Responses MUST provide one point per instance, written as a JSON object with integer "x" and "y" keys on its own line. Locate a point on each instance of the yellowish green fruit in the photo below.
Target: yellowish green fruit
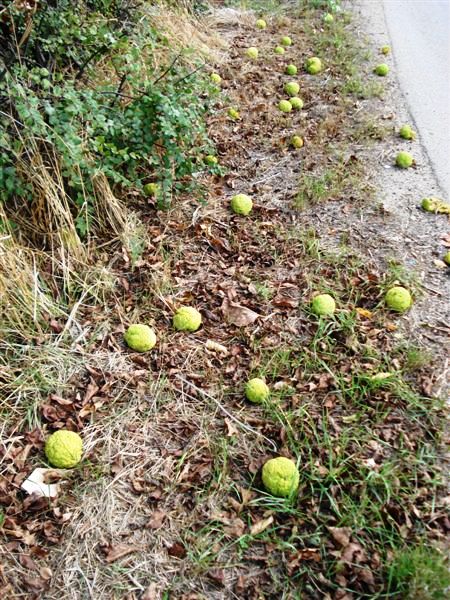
{"x": 291, "y": 70}
{"x": 404, "y": 160}
{"x": 211, "y": 160}
{"x": 252, "y": 53}
{"x": 151, "y": 189}
{"x": 241, "y": 204}
{"x": 398, "y": 298}
{"x": 323, "y": 305}
{"x": 313, "y": 65}
{"x": 385, "y": 49}
{"x": 63, "y": 449}
{"x": 446, "y": 258}
{"x": 285, "y": 106}
{"x": 261, "y": 24}
{"x": 279, "y": 50}
{"x": 407, "y": 133}
{"x": 297, "y": 141}
{"x": 297, "y": 103}
{"x": 216, "y": 78}
{"x": 187, "y": 318}
{"x": 280, "y": 477}
{"x": 234, "y": 114}
{"x": 286, "y": 41}
{"x": 435, "y": 205}
{"x": 381, "y": 70}
{"x": 141, "y": 338}
{"x": 380, "y": 377}
{"x": 328, "y": 18}
{"x": 291, "y": 88}
{"x": 256, "y": 390}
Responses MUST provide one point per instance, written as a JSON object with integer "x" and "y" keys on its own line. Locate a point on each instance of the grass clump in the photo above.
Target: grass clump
{"x": 419, "y": 573}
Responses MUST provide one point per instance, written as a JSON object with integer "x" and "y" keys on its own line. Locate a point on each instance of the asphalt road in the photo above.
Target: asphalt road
{"x": 420, "y": 42}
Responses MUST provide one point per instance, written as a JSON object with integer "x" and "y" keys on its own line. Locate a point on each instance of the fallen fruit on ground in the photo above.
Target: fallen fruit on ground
{"x": 385, "y": 49}
{"x": 291, "y": 70}
{"x": 435, "y": 205}
{"x": 280, "y": 476}
{"x": 323, "y": 305}
{"x": 261, "y": 24}
{"x": 446, "y": 258}
{"x": 63, "y": 449}
{"x": 407, "y": 133}
{"x": 241, "y": 204}
{"x": 291, "y": 88}
{"x": 151, "y": 189}
{"x": 256, "y": 390}
{"x": 286, "y": 41}
{"x": 313, "y": 65}
{"x": 297, "y": 141}
{"x": 141, "y": 338}
{"x": 404, "y": 160}
{"x": 279, "y": 50}
{"x": 211, "y": 160}
{"x": 285, "y": 106}
{"x": 398, "y": 298}
{"x": 296, "y": 103}
{"x": 252, "y": 52}
{"x": 381, "y": 70}
{"x": 187, "y": 318}
{"x": 215, "y": 78}
{"x": 233, "y": 114}
{"x": 328, "y": 18}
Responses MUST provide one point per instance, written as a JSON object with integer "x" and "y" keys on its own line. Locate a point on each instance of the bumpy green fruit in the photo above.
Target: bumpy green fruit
{"x": 63, "y": 449}
{"x": 297, "y": 141}
{"x": 285, "y": 106}
{"x": 151, "y": 189}
{"x": 292, "y": 88}
{"x": 252, "y": 52}
{"x": 286, "y": 41}
{"x": 241, "y": 204}
{"x": 280, "y": 477}
{"x": 216, "y": 78}
{"x": 256, "y": 390}
{"x": 187, "y": 318}
{"x": 261, "y": 24}
{"x": 328, "y": 18}
{"x": 140, "y": 337}
{"x": 233, "y": 114}
{"x": 404, "y": 160}
{"x": 323, "y": 305}
{"x": 385, "y": 49}
{"x": 211, "y": 160}
{"x": 297, "y": 103}
{"x": 381, "y": 70}
{"x": 291, "y": 70}
{"x": 446, "y": 258}
{"x": 435, "y": 205}
{"x": 398, "y": 298}
{"x": 407, "y": 133}
{"x": 313, "y": 65}
{"x": 279, "y": 50}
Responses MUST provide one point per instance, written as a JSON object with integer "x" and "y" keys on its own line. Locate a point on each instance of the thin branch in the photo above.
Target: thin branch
{"x": 168, "y": 69}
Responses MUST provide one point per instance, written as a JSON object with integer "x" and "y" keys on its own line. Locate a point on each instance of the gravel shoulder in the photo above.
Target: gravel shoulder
{"x": 393, "y": 226}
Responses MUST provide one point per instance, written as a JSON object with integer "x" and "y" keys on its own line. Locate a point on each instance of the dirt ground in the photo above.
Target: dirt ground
{"x": 168, "y": 503}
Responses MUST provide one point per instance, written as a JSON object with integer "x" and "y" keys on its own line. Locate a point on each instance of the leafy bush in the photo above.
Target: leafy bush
{"x": 85, "y": 89}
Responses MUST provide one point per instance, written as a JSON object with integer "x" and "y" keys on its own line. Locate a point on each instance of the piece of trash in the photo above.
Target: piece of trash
{"x": 35, "y": 484}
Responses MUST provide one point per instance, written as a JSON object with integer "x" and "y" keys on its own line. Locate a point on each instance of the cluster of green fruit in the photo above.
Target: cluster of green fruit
{"x": 280, "y": 475}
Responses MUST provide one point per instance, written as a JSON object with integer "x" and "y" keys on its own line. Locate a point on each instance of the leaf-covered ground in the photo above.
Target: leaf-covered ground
{"x": 168, "y": 501}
